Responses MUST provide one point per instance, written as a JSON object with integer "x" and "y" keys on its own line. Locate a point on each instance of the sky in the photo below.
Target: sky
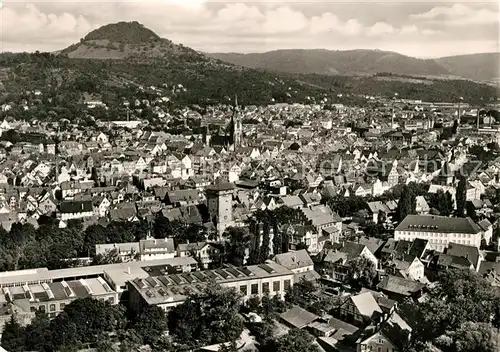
{"x": 421, "y": 29}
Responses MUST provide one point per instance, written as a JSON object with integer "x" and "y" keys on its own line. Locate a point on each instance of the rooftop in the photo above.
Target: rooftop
{"x": 438, "y": 224}
{"x": 176, "y": 287}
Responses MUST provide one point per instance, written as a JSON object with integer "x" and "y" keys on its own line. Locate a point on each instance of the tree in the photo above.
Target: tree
{"x": 84, "y": 320}
{"x": 208, "y": 318}
{"x": 296, "y": 340}
{"x": 151, "y": 325}
{"x": 95, "y": 177}
{"x": 382, "y": 217}
{"x": 442, "y": 202}
{"x": 263, "y": 331}
{"x": 300, "y": 293}
{"x": 461, "y": 196}
{"x": 239, "y": 241}
{"x": 471, "y": 337}
{"x": 461, "y": 296}
{"x": 361, "y": 272}
{"x": 38, "y": 334}
{"x": 13, "y": 335}
{"x": 471, "y": 211}
{"x": 109, "y": 257}
{"x": 406, "y": 204}
{"x": 161, "y": 227}
{"x": 129, "y": 340}
{"x": 264, "y": 248}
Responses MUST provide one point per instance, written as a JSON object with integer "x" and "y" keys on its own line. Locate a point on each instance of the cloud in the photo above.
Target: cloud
{"x": 459, "y": 15}
{"x": 31, "y": 24}
{"x": 330, "y": 23}
{"x": 260, "y": 25}
{"x": 381, "y": 28}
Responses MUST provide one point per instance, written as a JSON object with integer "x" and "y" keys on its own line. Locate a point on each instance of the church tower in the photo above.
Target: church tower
{"x": 236, "y": 124}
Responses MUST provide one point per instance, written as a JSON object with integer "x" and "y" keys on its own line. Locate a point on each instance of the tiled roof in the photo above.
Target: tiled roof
{"x": 438, "y": 224}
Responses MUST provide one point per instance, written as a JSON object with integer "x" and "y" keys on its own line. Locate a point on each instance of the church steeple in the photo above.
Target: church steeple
{"x": 236, "y": 125}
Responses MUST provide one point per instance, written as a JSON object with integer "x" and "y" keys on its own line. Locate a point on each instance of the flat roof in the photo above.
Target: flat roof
{"x": 117, "y": 272}
{"x": 176, "y": 287}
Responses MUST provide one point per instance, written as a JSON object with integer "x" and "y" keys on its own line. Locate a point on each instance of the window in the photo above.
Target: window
{"x": 244, "y": 290}
{"x": 62, "y": 305}
{"x": 254, "y": 289}
{"x": 111, "y": 300}
{"x": 276, "y": 286}
{"x": 32, "y": 309}
{"x": 286, "y": 284}
{"x": 41, "y": 308}
{"x": 265, "y": 287}
{"x": 52, "y": 307}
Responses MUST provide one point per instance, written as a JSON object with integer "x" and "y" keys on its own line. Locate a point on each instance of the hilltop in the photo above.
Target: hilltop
{"x": 128, "y": 40}
{"x": 479, "y": 67}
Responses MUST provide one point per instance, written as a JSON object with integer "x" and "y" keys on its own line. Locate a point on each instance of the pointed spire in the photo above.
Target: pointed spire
{"x": 236, "y": 101}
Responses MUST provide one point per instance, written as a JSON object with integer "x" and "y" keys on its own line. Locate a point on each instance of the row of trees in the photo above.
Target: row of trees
{"x": 87, "y": 323}
{"x": 25, "y": 246}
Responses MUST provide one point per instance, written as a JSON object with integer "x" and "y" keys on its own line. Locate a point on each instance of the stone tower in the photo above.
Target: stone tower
{"x": 220, "y": 204}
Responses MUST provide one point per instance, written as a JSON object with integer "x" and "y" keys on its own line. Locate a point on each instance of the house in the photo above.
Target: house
{"x": 387, "y": 337}
{"x": 400, "y": 289}
{"x": 487, "y": 229}
{"x": 361, "y": 309}
{"x": 204, "y": 252}
{"x": 294, "y": 202}
{"x": 471, "y": 253}
{"x": 75, "y": 210}
{"x": 126, "y": 251}
{"x": 153, "y": 249}
{"x": 422, "y": 207}
{"x": 407, "y": 267}
{"x": 101, "y": 205}
{"x": 303, "y": 235}
{"x": 377, "y": 208}
{"x": 334, "y": 262}
{"x": 183, "y": 197}
{"x": 299, "y": 262}
{"x": 298, "y": 318}
{"x": 321, "y": 217}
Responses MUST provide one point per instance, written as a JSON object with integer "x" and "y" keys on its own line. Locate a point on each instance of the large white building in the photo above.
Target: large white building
{"x": 167, "y": 291}
{"x": 439, "y": 231}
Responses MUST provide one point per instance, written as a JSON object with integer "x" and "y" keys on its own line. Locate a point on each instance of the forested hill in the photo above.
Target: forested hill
{"x": 115, "y": 59}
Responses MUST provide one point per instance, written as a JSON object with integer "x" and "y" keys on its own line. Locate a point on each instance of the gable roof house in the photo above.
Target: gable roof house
{"x": 75, "y": 210}
{"x": 334, "y": 262}
{"x": 321, "y": 217}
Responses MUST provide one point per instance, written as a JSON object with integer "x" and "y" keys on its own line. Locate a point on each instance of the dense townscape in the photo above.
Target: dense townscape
{"x": 138, "y": 220}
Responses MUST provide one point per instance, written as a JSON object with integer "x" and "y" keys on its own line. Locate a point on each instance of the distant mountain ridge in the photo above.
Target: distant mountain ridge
{"x": 478, "y": 67}
{"x": 111, "y": 60}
